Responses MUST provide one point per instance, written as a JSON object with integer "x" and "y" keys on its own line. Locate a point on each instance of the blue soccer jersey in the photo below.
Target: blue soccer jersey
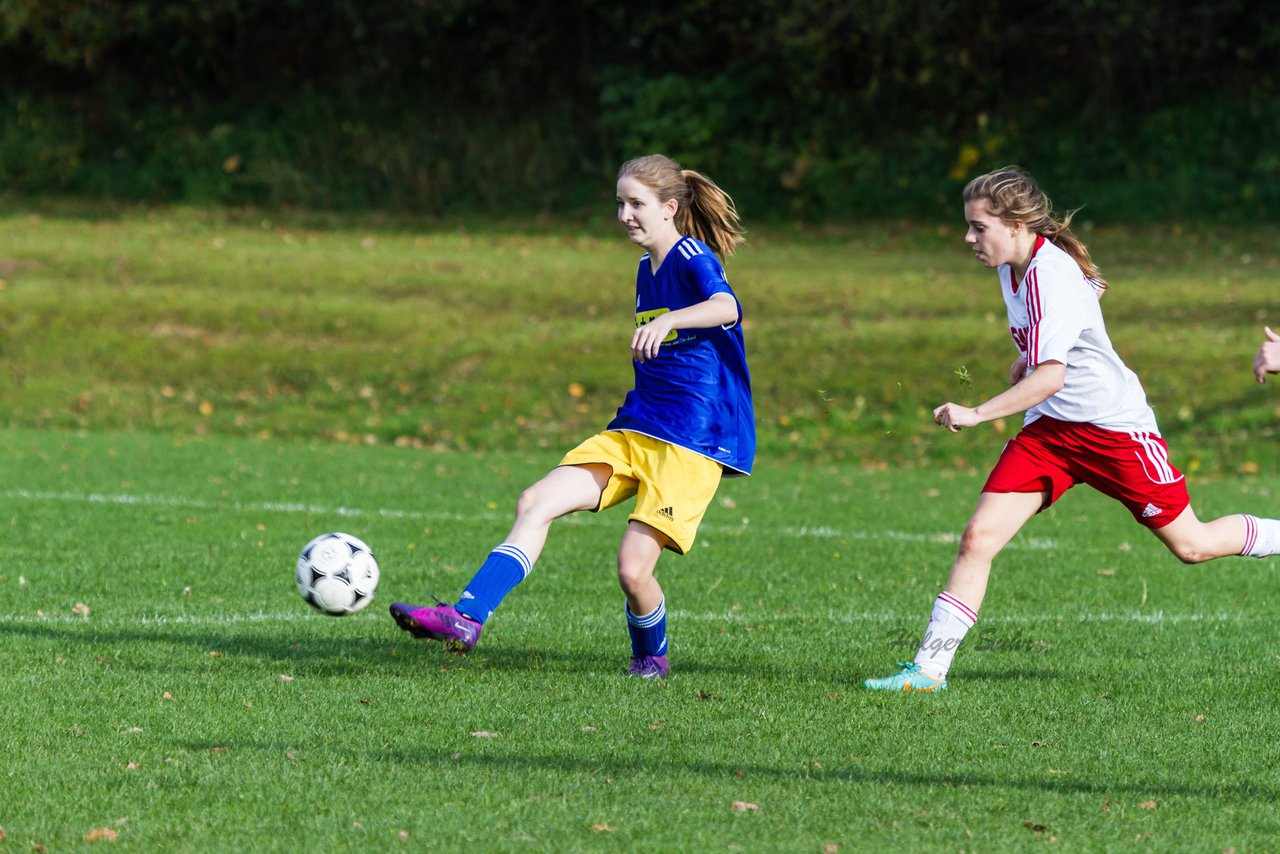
{"x": 697, "y": 392}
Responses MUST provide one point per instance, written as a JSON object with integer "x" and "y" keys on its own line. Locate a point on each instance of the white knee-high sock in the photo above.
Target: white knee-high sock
{"x": 948, "y": 624}
{"x": 1261, "y": 536}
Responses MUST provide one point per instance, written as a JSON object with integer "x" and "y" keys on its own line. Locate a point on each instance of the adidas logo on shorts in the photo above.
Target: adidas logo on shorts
{"x": 669, "y": 514}
{"x": 1151, "y": 510}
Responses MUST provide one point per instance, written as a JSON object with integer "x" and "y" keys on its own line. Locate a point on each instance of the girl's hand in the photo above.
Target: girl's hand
{"x": 1017, "y": 370}
{"x": 1267, "y": 361}
{"x": 953, "y": 416}
{"x": 648, "y": 338}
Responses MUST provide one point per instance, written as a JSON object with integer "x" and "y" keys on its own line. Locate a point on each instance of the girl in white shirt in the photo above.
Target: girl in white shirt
{"x": 1086, "y": 418}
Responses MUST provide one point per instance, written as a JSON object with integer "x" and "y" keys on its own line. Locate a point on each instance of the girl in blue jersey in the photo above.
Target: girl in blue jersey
{"x": 688, "y": 422}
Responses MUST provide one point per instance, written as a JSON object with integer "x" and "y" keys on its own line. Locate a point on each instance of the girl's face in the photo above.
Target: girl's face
{"x": 648, "y": 221}
{"x": 994, "y": 241}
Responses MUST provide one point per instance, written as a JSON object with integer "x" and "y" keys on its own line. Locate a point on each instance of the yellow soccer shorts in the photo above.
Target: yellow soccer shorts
{"x": 673, "y": 486}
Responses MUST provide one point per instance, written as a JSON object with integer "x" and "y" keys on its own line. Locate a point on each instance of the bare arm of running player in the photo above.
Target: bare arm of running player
{"x": 1038, "y": 386}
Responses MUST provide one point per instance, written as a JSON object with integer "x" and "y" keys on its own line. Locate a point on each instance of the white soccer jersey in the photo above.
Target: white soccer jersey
{"x": 1054, "y": 315}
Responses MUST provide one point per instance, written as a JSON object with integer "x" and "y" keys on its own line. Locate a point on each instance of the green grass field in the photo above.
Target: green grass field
{"x": 164, "y": 681}
{"x": 188, "y": 397}
{"x": 476, "y": 338}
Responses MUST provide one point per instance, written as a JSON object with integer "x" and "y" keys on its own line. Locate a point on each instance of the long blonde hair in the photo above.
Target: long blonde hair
{"x": 1013, "y": 195}
{"x": 704, "y": 211}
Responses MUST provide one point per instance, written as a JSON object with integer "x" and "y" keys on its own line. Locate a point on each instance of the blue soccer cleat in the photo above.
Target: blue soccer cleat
{"x": 909, "y": 678}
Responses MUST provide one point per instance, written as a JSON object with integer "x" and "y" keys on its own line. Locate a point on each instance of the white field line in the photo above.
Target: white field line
{"x": 803, "y": 532}
{"x": 744, "y": 616}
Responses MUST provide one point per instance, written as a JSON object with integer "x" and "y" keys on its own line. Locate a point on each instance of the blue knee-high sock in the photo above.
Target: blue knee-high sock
{"x": 504, "y": 568}
{"x": 648, "y": 632}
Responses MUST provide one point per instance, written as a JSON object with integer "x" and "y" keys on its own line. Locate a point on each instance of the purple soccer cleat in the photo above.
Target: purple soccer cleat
{"x": 650, "y": 667}
{"x": 439, "y": 622}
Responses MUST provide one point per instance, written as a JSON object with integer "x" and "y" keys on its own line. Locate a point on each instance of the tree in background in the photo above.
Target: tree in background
{"x": 813, "y": 108}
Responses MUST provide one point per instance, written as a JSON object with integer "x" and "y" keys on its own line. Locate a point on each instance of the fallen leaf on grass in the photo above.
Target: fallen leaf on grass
{"x": 100, "y": 834}
{"x": 602, "y": 828}
{"x": 133, "y": 766}
{"x": 1147, "y": 805}
{"x": 1198, "y": 719}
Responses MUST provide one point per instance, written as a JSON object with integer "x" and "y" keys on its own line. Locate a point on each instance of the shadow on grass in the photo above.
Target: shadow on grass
{"x": 306, "y": 644}
{"x": 341, "y": 654}
{"x": 525, "y": 766}
{"x": 329, "y": 655}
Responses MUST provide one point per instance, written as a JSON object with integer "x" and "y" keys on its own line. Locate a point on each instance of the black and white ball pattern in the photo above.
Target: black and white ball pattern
{"x": 337, "y": 574}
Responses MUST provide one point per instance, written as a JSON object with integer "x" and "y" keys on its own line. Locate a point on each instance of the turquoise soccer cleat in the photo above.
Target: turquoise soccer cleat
{"x": 909, "y": 678}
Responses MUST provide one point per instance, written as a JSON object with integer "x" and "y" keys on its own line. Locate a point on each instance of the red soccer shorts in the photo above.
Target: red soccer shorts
{"x": 1052, "y": 456}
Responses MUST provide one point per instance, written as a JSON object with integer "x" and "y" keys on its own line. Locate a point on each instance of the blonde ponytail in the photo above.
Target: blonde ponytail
{"x": 704, "y": 210}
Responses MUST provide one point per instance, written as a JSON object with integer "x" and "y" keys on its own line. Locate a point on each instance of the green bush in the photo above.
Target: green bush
{"x": 809, "y": 109}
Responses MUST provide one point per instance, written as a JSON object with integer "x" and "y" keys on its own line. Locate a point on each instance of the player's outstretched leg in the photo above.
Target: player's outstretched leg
{"x": 1193, "y": 541}
{"x": 459, "y": 626}
{"x": 564, "y": 489}
{"x": 998, "y": 516}
{"x": 441, "y": 622}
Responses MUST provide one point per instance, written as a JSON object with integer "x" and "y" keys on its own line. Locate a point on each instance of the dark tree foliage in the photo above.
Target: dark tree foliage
{"x": 806, "y": 104}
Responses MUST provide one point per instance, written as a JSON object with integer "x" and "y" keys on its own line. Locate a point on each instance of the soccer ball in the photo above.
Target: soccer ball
{"x": 337, "y": 574}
